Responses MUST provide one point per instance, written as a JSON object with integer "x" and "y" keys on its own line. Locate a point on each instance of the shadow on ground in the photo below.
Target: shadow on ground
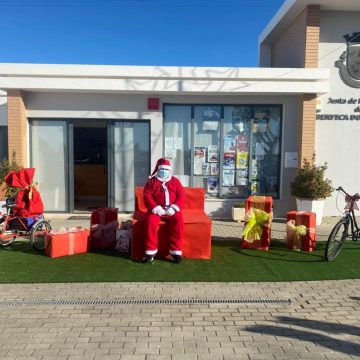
{"x": 308, "y": 333}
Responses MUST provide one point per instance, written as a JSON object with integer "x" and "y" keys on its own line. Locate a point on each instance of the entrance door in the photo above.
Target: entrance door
{"x": 129, "y": 153}
{"x": 49, "y": 156}
{"x": 90, "y": 165}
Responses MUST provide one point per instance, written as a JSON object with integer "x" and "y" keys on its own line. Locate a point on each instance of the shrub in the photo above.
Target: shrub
{"x": 310, "y": 182}
{"x": 6, "y": 166}
{"x": 240, "y": 204}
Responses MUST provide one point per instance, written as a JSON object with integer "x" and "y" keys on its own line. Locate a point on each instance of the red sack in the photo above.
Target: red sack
{"x": 28, "y": 200}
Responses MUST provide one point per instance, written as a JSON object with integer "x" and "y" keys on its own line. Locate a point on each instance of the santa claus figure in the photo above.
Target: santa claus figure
{"x": 164, "y": 198}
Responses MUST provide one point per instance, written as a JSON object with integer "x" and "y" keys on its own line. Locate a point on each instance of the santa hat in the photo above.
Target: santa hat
{"x": 161, "y": 164}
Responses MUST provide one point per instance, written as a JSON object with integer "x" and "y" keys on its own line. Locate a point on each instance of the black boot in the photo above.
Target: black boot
{"x": 177, "y": 258}
{"x": 149, "y": 259}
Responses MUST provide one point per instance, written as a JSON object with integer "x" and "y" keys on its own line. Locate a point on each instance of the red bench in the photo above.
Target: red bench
{"x": 197, "y": 227}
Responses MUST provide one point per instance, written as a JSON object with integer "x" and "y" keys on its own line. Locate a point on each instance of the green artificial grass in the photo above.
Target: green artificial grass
{"x": 21, "y": 264}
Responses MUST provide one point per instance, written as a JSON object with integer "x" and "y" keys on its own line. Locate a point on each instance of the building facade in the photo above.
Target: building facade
{"x": 323, "y": 34}
{"x": 93, "y": 133}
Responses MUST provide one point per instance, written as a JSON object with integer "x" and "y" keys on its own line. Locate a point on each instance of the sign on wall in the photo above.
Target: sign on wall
{"x": 349, "y": 62}
{"x": 291, "y": 160}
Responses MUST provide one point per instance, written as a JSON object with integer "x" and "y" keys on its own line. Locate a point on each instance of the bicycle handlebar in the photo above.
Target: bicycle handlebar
{"x": 349, "y": 197}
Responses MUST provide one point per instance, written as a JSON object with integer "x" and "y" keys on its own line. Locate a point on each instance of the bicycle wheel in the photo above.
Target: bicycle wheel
{"x": 38, "y": 232}
{"x": 6, "y": 240}
{"x": 336, "y": 240}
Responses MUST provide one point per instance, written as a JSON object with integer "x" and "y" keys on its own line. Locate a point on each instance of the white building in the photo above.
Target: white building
{"x": 95, "y": 132}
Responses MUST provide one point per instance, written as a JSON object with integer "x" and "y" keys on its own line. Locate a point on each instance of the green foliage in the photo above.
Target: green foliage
{"x": 6, "y": 166}
{"x": 310, "y": 182}
{"x": 240, "y": 204}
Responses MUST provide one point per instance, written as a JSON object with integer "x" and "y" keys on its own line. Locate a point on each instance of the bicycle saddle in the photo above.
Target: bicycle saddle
{"x": 9, "y": 206}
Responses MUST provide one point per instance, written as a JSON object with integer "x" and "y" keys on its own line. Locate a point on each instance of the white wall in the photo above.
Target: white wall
{"x": 337, "y": 141}
{"x": 109, "y": 106}
{"x": 3, "y": 108}
{"x": 97, "y": 106}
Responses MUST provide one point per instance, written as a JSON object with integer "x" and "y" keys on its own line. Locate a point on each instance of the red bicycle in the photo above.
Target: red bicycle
{"x": 11, "y": 227}
{"x": 346, "y": 227}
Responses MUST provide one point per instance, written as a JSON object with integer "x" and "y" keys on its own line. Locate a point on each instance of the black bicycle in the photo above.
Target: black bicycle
{"x": 340, "y": 232}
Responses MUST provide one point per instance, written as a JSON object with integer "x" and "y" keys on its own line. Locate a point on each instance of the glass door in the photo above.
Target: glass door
{"x": 129, "y": 161}
{"x": 49, "y": 155}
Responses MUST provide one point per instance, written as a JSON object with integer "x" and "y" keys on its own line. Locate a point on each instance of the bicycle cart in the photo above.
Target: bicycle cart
{"x": 340, "y": 232}
{"x": 24, "y": 212}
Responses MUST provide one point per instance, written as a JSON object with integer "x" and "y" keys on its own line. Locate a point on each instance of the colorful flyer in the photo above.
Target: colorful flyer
{"x": 242, "y": 143}
{"x": 254, "y": 169}
{"x": 206, "y": 169}
{"x": 199, "y": 153}
{"x": 228, "y": 177}
{"x": 255, "y": 188}
{"x": 241, "y": 177}
{"x": 229, "y": 160}
{"x": 214, "y": 168}
{"x": 199, "y": 159}
{"x": 213, "y": 185}
{"x": 213, "y": 153}
{"x": 241, "y": 160}
{"x": 229, "y": 144}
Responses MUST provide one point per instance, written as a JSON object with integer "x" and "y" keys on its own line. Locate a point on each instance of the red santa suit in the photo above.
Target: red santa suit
{"x": 164, "y": 200}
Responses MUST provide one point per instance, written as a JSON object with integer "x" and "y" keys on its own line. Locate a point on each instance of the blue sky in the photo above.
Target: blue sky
{"x": 134, "y": 32}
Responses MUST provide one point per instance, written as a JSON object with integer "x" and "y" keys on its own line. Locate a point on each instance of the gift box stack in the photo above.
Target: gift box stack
{"x": 103, "y": 226}
{"x": 294, "y": 239}
{"x": 264, "y": 203}
{"x": 67, "y": 241}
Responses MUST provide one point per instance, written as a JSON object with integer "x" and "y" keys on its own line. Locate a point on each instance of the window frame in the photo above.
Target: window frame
{"x": 222, "y": 106}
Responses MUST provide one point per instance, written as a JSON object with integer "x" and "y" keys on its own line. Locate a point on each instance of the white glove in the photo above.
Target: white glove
{"x": 158, "y": 210}
{"x": 170, "y": 211}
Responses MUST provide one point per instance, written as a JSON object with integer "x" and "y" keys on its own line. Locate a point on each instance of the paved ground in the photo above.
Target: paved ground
{"x": 321, "y": 321}
{"x": 221, "y": 229}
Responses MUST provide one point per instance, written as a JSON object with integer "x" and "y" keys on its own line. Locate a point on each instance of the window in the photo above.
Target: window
{"x": 230, "y": 150}
{"x": 3, "y": 143}
{"x": 177, "y": 137}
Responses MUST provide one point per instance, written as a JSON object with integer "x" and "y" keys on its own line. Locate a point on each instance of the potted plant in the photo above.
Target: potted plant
{"x": 311, "y": 187}
{"x": 6, "y": 166}
{"x": 238, "y": 211}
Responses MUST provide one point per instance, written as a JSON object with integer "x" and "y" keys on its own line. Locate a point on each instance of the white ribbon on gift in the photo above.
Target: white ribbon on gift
{"x": 65, "y": 230}
{"x": 71, "y": 231}
{"x": 71, "y": 243}
{"x": 102, "y": 216}
{"x": 105, "y": 229}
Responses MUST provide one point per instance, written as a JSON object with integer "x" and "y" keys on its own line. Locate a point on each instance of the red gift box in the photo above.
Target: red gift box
{"x": 103, "y": 226}
{"x": 67, "y": 242}
{"x": 308, "y": 219}
{"x": 264, "y": 203}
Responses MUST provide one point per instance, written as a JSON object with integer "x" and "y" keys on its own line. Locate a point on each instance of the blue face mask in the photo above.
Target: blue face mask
{"x": 163, "y": 173}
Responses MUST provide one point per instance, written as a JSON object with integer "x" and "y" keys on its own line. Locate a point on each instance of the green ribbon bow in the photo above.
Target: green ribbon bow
{"x": 256, "y": 219}
{"x": 294, "y": 232}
